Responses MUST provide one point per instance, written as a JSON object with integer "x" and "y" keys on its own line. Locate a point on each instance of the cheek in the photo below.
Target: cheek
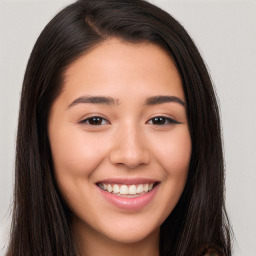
{"x": 174, "y": 157}
{"x": 75, "y": 154}
{"x": 174, "y": 154}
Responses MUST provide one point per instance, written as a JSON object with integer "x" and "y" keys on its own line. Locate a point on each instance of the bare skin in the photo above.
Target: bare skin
{"x": 120, "y": 120}
{"x": 101, "y": 245}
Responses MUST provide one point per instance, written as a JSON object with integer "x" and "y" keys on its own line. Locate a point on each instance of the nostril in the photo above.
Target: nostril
{"x": 130, "y": 159}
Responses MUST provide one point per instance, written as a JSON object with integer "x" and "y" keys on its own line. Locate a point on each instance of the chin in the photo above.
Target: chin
{"x": 133, "y": 232}
{"x": 132, "y": 237}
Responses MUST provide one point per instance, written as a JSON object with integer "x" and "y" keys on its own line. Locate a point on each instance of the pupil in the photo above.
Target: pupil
{"x": 95, "y": 121}
{"x": 159, "y": 120}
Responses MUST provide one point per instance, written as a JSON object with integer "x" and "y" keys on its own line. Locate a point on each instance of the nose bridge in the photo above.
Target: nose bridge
{"x": 130, "y": 146}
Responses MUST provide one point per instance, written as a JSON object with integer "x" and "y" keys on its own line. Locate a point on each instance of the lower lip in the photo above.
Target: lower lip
{"x": 129, "y": 204}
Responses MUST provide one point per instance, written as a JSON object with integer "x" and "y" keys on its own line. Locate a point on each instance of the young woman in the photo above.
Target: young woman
{"x": 119, "y": 146}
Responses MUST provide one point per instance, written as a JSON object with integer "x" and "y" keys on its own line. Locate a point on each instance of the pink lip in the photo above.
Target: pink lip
{"x": 127, "y": 181}
{"x": 129, "y": 204}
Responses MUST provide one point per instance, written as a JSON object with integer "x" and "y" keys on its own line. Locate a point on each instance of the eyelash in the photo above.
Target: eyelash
{"x": 96, "y": 118}
{"x": 167, "y": 120}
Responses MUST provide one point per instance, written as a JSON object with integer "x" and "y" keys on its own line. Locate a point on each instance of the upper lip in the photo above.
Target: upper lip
{"x": 127, "y": 181}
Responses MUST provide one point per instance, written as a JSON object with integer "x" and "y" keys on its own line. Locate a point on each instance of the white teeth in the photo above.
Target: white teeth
{"x": 139, "y": 189}
{"x": 109, "y": 188}
{"x": 132, "y": 190}
{"x": 127, "y": 189}
{"x": 116, "y": 189}
{"x": 124, "y": 190}
{"x": 145, "y": 188}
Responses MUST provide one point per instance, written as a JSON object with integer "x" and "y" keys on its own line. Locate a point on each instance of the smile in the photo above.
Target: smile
{"x": 132, "y": 190}
{"x": 128, "y": 195}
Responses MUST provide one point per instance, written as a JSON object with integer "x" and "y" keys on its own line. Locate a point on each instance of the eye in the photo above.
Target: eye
{"x": 95, "y": 120}
{"x": 162, "y": 120}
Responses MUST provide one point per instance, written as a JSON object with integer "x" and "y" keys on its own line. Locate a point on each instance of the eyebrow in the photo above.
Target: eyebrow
{"x": 154, "y": 100}
{"x": 164, "y": 99}
{"x": 95, "y": 100}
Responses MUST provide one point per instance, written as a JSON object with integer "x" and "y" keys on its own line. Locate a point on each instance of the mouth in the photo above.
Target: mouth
{"x": 127, "y": 190}
{"x": 128, "y": 194}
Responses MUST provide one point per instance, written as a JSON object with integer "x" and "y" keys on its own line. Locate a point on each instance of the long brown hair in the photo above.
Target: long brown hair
{"x": 41, "y": 219}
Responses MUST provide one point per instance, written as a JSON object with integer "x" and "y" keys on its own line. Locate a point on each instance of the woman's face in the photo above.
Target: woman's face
{"x": 120, "y": 140}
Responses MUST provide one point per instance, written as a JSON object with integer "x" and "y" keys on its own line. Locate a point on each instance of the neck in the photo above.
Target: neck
{"x": 89, "y": 242}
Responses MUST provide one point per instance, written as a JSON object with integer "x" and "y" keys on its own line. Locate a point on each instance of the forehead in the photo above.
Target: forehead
{"x": 114, "y": 66}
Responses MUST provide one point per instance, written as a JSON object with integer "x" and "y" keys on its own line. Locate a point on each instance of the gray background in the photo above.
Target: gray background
{"x": 224, "y": 31}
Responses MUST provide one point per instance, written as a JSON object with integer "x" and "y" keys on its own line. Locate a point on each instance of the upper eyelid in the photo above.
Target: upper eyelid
{"x": 83, "y": 120}
{"x": 171, "y": 119}
{"x": 89, "y": 116}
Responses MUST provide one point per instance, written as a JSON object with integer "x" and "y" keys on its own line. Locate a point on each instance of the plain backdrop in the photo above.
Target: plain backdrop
{"x": 225, "y": 33}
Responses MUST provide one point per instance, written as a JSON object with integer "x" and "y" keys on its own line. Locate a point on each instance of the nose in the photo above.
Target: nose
{"x": 130, "y": 148}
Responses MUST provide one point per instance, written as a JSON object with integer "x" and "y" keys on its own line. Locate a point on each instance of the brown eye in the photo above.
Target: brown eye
{"x": 161, "y": 120}
{"x": 95, "y": 120}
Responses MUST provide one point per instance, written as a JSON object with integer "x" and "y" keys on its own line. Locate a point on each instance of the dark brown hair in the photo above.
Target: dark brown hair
{"x": 198, "y": 225}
